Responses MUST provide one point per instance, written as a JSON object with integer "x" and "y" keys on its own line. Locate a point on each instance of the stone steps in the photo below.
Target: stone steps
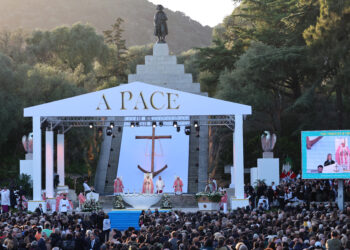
{"x": 177, "y": 201}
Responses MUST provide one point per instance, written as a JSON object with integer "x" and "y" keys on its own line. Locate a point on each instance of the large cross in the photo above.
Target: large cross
{"x": 153, "y": 138}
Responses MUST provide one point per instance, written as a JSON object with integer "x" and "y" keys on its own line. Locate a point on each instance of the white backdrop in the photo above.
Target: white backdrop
{"x": 172, "y": 152}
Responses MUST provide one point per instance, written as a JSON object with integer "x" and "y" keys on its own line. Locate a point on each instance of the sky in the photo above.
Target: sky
{"x": 207, "y": 12}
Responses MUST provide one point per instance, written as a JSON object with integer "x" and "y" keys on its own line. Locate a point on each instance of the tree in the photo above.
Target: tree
{"x": 67, "y": 48}
{"x": 115, "y": 37}
{"x": 329, "y": 41}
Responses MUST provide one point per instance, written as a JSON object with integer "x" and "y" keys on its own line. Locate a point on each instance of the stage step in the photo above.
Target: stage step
{"x": 177, "y": 201}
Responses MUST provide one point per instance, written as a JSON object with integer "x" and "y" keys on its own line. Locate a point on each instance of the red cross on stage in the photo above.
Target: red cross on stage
{"x": 153, "y": 138}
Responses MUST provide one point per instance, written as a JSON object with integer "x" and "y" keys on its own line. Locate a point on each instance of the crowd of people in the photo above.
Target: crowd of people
{"x": 296, "y": 214}
{"x": 294, "y": 191}
{"x": 319, "y": 226}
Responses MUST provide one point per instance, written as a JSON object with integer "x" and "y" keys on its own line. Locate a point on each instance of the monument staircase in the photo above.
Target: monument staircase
{"x": 160, "y": 69}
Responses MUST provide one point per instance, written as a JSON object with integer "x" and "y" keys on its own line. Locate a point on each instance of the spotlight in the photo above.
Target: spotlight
{"x": 154, "y": 124}
{"x": 111, "y": 124}
{"x": 132, "y": 124}
{"x": 175, "y": 124}
{"x": 91, "y": 125}
{"x": 161, "y": 124}
{"x": 187, "y": 130}
{"x": 119, "y": 129}
{"x": 137, "y": 124}
{"x": 178, "y": 129}
{"x": 109, "y": 131}
{"x": 195, "y": 124}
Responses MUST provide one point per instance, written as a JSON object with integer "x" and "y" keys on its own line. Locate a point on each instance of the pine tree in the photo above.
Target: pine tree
{"x": 114, "y": 37}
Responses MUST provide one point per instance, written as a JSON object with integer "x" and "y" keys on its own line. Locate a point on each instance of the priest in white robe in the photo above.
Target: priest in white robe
{"x": 160, "y": 185}
{"x": 5, "y": 200}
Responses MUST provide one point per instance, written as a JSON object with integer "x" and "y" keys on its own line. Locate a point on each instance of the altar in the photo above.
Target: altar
{"x": 141, "y": 201}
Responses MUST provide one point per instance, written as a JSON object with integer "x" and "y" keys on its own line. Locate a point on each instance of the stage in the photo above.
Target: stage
{"x": 122, "y": 219}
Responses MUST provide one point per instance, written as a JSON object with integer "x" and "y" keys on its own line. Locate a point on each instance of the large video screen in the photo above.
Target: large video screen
{"x": 325, "y": 154}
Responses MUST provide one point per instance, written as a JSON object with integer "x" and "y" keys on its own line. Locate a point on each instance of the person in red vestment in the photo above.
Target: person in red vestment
{"x": 147, "y": 187}
{"x": 178, "y": 185}
{"x": 82, "y": 199}
{"x": 118, "y": 186}
{"x": 223, "y": 202}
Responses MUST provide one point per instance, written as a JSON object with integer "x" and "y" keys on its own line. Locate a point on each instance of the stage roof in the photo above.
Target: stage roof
{"x": 134, "y": 100}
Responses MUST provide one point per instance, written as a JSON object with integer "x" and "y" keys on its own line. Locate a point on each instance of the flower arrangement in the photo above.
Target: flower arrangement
{"x": 208, "y": 197}
{"x": 91, "y": 206}
{"x": 118, "y": 202}
{"x": 166, "y": 201}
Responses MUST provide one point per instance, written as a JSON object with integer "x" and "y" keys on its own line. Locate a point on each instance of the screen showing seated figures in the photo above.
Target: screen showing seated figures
{"x": 325, "y": 154}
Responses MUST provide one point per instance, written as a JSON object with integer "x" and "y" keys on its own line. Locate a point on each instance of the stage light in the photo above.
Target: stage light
{"x": 111, "y": 124}
{"x": 161, "y": 124}
{"x": 109, "y": 131}
{"x": 195, "y": 124}
{"x": 132, "y": 124}
{"x": 119, "y": 129}
{"x": 187, "y": 130}
{"x": 154, "y": 124}
{"x": 178, "y": 129}
{"x": 91, "y": 125}
{"x": 174, "y": 124}
{"x": 137, "y": 124}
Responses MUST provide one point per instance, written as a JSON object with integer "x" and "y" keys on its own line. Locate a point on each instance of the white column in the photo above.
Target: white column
{"x": 238, "y": 160}
{"x": 60, "y": 158}
{"x": 232, "y": 185}
{"x": 36, "y": 159}
{"x": 49, "y": 160}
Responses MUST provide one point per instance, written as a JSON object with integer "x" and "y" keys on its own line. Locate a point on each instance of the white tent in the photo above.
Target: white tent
{"x": 130, "y": 101}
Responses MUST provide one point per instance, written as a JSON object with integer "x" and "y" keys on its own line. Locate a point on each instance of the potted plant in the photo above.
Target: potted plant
{"x": 208, "y": 201}
{"x": 166, "y": 201}
{"x": 118, "y": 202}
{"x": 91, "y": 206}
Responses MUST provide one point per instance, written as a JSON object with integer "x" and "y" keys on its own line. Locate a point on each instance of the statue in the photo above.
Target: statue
{"x": 268, "y": 141}
{"x": 160, "y": 26}
{"x": 28, "y": 143}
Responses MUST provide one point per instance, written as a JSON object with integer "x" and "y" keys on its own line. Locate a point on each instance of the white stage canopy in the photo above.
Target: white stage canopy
{"x": 134, "y": 101}
{"x": 137, "y": 99}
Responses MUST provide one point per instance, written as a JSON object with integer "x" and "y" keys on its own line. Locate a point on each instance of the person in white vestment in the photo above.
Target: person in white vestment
{"x": 64, "y": 205}
{"x": 5, "y": 200}
{"x": 160, "y": 185}
{"x": 87, "y": 188}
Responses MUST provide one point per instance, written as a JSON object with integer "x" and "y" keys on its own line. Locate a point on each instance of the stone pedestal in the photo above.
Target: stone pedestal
{"x": 26, "y": 167}
{"x": 253, "y": 176}
{"x": 268, "y": 170}
{"x": 239, "y": 203}
{"x": 32, "y": 205}
{"x": 62, "y": 189}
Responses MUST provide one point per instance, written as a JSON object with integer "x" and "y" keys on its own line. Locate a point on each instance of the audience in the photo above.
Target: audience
{"x": 286, "y": 218}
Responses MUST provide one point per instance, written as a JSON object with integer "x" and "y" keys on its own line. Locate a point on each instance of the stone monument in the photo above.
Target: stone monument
{"x": 268, "y": 167}
{"x": 160, "y": 69}
{"x": 26, "y": 166}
